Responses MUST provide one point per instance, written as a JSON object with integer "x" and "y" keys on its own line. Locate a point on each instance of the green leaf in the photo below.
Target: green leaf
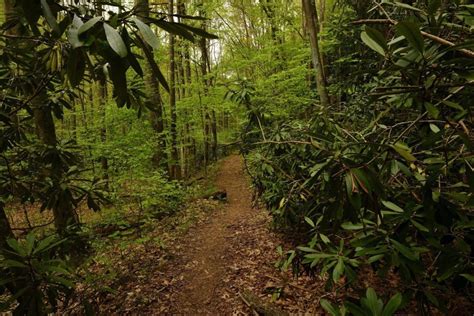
{"x": 17, "y": 247}
{"x": 355, "y": 309}
{"x": 405, "y": 251}
{"x": 76, "y": 66}
{"x": 351, "y": 226}
{"x": 392, "y": 206}
{"x": 115, "y": 40}
{"x": 30, "y": 243}
{"x": 363, "y": 180}
{"x": 174, "y": 28}
{"x": 148, "y": 35}
{"x": 419, "y": 226}
{"x": 63, "y": 281}
{"x": 135, "y": 64}
{"x": 435, "y": 129}
{"x": 392, "y": 305}
{"x": 55, "y": 268}
{"x": 199, "y": 31}
{"x": 47, "y": 244}
{"x": 9, "y": 263}
{"x": 405, "y": 6}
{"x": 318, "y": 255}
{"x": 413, "y": 35}
{"x": 50, "y": 17}
{"x": 338, "y": 270}
{"x": 309, "y": 221}
{"x": 328, "y": 307}
{"x": 375, "y": 258}
{"x": 372, "y": 302}
{"x": 432, "y": 110}
{"x": 431, "y": 297}
{"x": 306, "y": 249}
{"x": 403, "y": 151}
{"x": 469, "y": 277}
{"x": 375, "y": 40}
{"x": 324, "y": 238}
{"x": 89, "y": 24}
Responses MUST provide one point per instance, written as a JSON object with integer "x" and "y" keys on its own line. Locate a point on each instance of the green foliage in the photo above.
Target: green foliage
{"x": 36, "y": 276}
{"x": 369, "y": 305}
{"x": 385, "y": 178}
{"x": 154, "y": 194}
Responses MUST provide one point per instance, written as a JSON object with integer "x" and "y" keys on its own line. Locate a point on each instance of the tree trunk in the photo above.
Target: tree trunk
{"x": 312, "y": 23}
{"x": 210, "y": 124}
{"x": 175, "y": 171}
{"x": 74, "y": 121}
{"x": 104, "y": 162}
{"x": 45, "y": 128}
{"x": 153, "y": 87}
{"x": 269, "y": 10}
{"x": 5, "y": 229}
{"x": 214, "y": 134}
{"x": 63, "y": 211}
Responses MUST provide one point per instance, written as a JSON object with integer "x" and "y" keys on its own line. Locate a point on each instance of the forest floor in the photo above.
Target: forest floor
{"x": 220, "y": 265}
{"x": 232, "y": 252}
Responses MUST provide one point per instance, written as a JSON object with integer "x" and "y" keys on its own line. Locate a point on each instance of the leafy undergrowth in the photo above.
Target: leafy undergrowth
{"x": 123, "y": 261}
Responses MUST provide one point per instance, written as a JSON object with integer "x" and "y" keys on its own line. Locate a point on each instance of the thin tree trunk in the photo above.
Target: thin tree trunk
{"x": 313, "y": 30}
{"x": 102, "y": 96}
{"x": 210, "y": 128}
{"x": 153, "y": 87}
{"x": 5, "y": 229}
{"x": 74, "y": 121}
{"x": 104, "y": 162}
{"x": 63, "y": 211}
{"x": 214, "y": 134}
{"x": 174, "y": 163}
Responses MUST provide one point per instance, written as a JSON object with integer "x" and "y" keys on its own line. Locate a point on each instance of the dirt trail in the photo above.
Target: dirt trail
{"x": 234, "y": 250}
{"x": 208, "y": 247}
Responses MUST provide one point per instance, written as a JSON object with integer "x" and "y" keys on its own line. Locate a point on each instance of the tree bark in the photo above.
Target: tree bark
{"x": 209, "y": 118}
{"x": 175, "y": 170}
{"x": 153, "y": 89}
{"x": 104, "y": 162}
{"x": 312, "y": 23}
{"x": 5, "y": 228}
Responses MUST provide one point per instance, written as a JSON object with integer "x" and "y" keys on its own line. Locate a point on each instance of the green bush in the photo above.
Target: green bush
{"x": 36, "y": 277}
{"x": 391, "y": 187}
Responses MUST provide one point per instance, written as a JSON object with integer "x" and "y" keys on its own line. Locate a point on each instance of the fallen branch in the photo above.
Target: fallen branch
{"x": 27, "y": 229}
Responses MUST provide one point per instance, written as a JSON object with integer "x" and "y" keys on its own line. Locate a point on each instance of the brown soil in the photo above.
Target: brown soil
{"x": 232, "y": 252}
{"x": 206, "y": 261}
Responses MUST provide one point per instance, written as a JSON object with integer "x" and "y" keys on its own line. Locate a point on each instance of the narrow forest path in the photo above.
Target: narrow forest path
{"x": 209, "y": 252}
{"x": 232, "y": 251}
{"x": 229, "y": 249}
{"x": 207, "y": 259}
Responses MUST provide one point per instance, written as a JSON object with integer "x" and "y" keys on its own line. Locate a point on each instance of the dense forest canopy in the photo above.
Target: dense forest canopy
{"x": 353, "y": 117}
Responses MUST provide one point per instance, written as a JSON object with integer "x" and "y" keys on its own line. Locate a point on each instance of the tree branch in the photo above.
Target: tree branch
{"x": 437, "y": 39}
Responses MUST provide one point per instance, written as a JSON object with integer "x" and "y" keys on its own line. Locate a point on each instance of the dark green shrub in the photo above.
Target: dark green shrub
{"x": 395, "y": 190}
{"x": 37, "y": 279}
